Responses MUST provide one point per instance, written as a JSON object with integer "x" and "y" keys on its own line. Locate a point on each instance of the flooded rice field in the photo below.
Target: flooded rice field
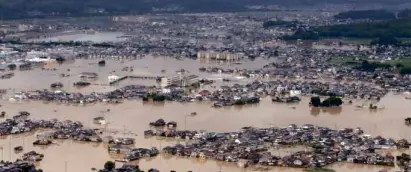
{"x": 131, "y": 118}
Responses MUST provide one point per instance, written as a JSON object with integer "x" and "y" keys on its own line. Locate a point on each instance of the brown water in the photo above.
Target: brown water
{"x": 150, "y": 66}
{"x": 134, "y": 116}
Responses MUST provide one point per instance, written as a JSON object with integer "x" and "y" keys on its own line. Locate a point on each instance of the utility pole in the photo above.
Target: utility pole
{"x": 185, "y": 122}
{"x": 10, "y": 148}
{"x": 2, "y": 152}
{"x": 124, "y": 131}
{"x": 23, "y": 144}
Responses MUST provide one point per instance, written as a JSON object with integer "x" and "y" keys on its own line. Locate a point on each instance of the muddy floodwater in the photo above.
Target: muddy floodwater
{"x": 131, "y": 118}
{"x": 149, "y": 66}
{"x": 83, "y": 37}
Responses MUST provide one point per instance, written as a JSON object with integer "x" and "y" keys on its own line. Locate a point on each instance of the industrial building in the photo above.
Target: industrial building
{"x": 179, "y": 80}
{"x": 228, "y": 56}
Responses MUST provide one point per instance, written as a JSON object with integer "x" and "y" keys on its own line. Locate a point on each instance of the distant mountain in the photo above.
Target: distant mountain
{"x": 406, "y": 13}
{"x": 36, "y": 8}
{"x": 366, "y": 14}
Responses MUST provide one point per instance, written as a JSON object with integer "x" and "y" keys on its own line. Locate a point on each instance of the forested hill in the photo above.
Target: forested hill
{"x": 32, "y": 8}
{"x": 366, "y": 14}
{"x": 389, "y": 31}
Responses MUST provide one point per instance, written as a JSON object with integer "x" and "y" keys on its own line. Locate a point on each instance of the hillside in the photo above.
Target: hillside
{"x": 366, "y": 14}
{"x": 10, "y": 9}
{"x": 399, "y": 28}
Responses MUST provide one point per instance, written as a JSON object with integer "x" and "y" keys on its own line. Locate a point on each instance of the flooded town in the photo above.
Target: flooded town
{"x": 200, "y": 92}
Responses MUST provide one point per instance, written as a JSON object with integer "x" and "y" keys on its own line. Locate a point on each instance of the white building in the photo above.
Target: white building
{"x": 34, "y": 54}
{"x": 179, "y": 80}
{"x": 165, "y": 91}
{"x": 165, "y": 82}
{"x": 40, "y": 59}
{"x": 112, "y": 78}
{"x": 295, "y": 93}
{"x": 38, "y": 56}
{"x": 219, "y": 55}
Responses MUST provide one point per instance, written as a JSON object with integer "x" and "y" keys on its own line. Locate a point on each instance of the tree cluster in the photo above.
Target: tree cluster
{"x": 406, "y": 13}
{"x": 155, "y": 97}
{"x": 110, "y": 166}
{"x": 12, "y": 66}
{"x": 329, "y": 102}
{"x": 303, "y": 34}
{"x": 366, "y": 14}
{"x": 405, "y": 70}
{"x": 371, "y": 66}
{"x": 385, "y": 31}
{"x": 386, "y": 40}
{"x": 367, "y": 66}
{"x": 253, "y": 100}
{"x": 280, "y": 23}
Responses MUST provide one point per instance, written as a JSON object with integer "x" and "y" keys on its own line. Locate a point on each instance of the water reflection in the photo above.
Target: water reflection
{"x": 315, "y": 111}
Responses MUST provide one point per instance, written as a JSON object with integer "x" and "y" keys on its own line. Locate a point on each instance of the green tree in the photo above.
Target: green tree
{"x": 239, "y": 102}
{"x": 253, "y": 100}
{"x": 315, "y": 101}
{"x": 12, "y": 66}
{"x": 332, "y": 101}
{"x": 138, "y": 169}
{"x": 399, "y": 65}
{"x": 386, "y": 40}
{"x": 110, "y": 165}
{"x": 405, "y": 70}
{"x": 159, "y": 98}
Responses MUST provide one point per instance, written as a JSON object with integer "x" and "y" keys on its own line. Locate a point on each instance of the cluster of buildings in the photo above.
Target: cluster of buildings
{"x": 172, "y": 89}
{"x": 17, "y": 166}
{"x": 324, "y": 146}
{"x": 126, "y": 168}
{"x": 138, "y": 153}
{"x": 226, "y": 56}
{"x": 301, "y": 68}
{"x": 61, "y": 129}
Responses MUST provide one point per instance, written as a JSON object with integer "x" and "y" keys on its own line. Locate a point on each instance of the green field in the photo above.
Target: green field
{"x": 406, "y": 62}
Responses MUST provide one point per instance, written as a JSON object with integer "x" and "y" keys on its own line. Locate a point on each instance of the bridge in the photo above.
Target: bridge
{"x": 134, "y": 77}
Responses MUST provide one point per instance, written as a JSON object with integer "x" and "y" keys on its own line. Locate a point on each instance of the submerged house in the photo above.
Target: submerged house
{"x": 118, "y": 149}
{"x": 99, "y": 120}
{"x": 89, "y": 75}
